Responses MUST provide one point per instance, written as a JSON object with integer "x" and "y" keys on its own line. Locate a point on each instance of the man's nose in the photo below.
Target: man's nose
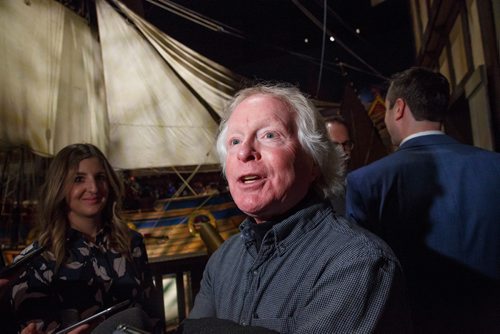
{"x": 248, "y": 151}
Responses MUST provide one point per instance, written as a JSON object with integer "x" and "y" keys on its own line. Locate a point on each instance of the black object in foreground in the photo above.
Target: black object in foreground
{"x": 104, "y": 312}
{"x": 17, "y": 267}
{"x": 219, "y": 326}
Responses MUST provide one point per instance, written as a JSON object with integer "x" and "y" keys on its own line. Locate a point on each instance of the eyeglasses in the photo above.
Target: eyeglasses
{"x": 348, "y": 145}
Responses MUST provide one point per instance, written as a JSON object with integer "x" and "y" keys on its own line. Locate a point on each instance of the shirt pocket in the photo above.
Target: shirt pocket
{"x": 282, "y": 325}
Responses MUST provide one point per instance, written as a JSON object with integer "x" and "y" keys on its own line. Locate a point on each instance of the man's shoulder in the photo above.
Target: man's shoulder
{"x": 414, "y": 154}
{"x": 480, "y": 152}
{"x": 451, "y": 145}
{"x": 389, "y": 162}
{"x": 354, "y": 241}
{"x": 230, "y": 245}
{"x": 464, "y": 156}
{"x": 234, "y": 240}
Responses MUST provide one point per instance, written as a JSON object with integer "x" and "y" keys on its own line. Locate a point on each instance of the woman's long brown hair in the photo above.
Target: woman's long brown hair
{"x": 53, "y": 224}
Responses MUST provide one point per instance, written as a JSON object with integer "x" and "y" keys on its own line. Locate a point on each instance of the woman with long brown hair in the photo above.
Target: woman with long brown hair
{"x": 92, "y": 260}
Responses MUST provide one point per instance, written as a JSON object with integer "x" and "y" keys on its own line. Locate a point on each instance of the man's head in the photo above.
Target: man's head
{"x": 417, "y": 100}
{"x": 338, "y": 131}
{"x": 273, "y": 148}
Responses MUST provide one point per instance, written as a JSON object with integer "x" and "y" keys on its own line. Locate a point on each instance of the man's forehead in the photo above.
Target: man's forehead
{"x": 336, "y": 124}
{"x": 263, "y": 107}
{"x": 260, "y": 99}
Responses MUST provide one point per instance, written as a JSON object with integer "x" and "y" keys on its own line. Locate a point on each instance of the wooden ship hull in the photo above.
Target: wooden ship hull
{"x": 166, "y": 227}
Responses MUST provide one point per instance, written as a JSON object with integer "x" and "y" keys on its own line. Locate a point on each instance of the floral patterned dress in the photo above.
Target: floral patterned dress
{"x": 93, "y": 277}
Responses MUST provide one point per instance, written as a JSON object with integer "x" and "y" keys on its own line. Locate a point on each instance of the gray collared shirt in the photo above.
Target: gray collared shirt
{"x": 314, "y": 273}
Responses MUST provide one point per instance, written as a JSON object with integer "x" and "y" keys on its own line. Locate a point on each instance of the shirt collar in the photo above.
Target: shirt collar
{"x": 75, "y": 235}
{"x": 289, "y": 227}
{"x": 420, "y": 134}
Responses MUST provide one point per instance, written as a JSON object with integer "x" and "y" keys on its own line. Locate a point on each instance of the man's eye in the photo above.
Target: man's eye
{"x": 270, "y": 135}
{"x": 234, "y": 142}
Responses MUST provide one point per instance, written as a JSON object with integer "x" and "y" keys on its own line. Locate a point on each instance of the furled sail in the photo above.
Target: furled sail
{"x": 164, "y": 99}
{"x": 142, "y": 97}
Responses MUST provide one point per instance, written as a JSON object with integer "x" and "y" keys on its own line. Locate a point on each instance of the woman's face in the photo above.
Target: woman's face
{"x": 87, "y": 192}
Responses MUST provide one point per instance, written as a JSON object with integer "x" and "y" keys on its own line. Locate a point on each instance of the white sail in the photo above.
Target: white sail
{"x": 51, "y": 83}
{"x": 159, "y": 106}
{"x": 142, "y": 97}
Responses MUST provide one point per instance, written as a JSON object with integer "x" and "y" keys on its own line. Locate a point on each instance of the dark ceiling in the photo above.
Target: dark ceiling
{"x": 265, "y": 39}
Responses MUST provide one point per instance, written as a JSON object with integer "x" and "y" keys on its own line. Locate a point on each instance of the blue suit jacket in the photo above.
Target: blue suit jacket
{"x": 437, "y": 204}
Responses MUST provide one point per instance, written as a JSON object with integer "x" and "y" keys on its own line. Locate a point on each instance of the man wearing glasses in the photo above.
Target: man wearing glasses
{"x": 338, "y": 131}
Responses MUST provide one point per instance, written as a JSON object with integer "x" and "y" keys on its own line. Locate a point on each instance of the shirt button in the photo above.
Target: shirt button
{"x": 255, "y": 272}
{"x": 243, "y": 323}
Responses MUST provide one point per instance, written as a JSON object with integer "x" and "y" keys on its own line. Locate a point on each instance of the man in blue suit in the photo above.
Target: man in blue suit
{"x": 436, "y": 202}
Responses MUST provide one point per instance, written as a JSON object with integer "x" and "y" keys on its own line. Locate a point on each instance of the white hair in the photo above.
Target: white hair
{"x": 311, "y": 133}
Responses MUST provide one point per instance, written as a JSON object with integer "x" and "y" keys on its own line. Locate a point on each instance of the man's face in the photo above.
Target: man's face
{"x": 339, "y": 135}
{"x": 267, "y": 170}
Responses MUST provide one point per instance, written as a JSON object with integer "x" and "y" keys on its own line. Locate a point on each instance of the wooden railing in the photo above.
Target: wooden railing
{"x": 188, "y": 271}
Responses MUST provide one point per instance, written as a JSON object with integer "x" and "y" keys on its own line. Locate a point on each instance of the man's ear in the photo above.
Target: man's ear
{"x": 399, "y": 108}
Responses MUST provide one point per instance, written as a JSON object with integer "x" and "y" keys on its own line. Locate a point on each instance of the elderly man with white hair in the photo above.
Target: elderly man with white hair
{"x": 296, "y": 266}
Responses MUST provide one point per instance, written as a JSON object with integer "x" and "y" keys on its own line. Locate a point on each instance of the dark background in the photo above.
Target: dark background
{"x": 265, "y": 39}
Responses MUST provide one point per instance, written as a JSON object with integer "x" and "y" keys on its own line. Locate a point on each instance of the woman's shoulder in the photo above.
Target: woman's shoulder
{"x": 35, "y": 260}
{"x": 23, "y": 259}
